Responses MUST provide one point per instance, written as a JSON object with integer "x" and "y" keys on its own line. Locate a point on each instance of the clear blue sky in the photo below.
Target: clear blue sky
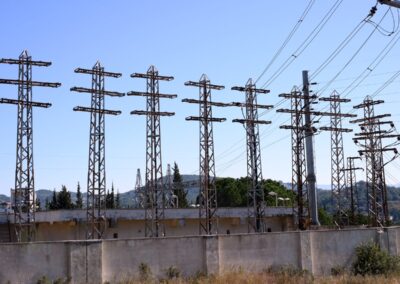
{"x": 230, "y": 41}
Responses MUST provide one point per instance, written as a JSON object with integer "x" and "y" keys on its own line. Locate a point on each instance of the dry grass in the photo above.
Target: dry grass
{"x": 240, "y": 277}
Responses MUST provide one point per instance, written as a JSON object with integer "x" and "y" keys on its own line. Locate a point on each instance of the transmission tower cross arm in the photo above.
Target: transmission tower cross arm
{"x": 152, "y": 76}
{"x": 146, "y": 94}
{"x": 338, "y": 129}
{"x": 334, "y": 99}
{"x": 244, "y": 89}
{"x": 204, "y": 83}
{"x": 298, "y": 95}
{"x": 252, "y": 121}
{"x": 103, "y": 111}
{"x": 32, "y": 83}
{"x": 217, "y": 104}
{"x": 368, "y": 103}
{"x": 97, "y": 72}
{"x": 372, "y": 118}
{"x": 90, "y": 91}
{"x": 238, "y": 104}
{"x": 24, "y": 61}
{"x": 25, "y": 103}
{"x": 160, "y": 113}
{"x": 210, "y": 119}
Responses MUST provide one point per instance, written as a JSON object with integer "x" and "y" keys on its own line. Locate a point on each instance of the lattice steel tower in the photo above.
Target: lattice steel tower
{"x": 155, "y": 199}
{"x": 255, "y": 195}
{"x": 352, "y": 187}
{"x": 96, "y": 182}
{"x": 299, "y": 172}
{"x": 371, "y": 136}
{"x": 24, "y": 191}
{"x": 208, "y": 193}
{"x": 338, "y": 177}
{"x": 139, "y": 193}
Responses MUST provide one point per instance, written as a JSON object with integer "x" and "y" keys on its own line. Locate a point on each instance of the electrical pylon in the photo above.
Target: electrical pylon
{"x": 139, "y": 193}
{"x": 96, "y": 182}
{"x": 171, "y": 203}
{"x": 24, "y": 191}
{"x": 371, "y": 137}
{"x": 299, "y": 173}
{"x": 155, "y": 199}
{"x": 255, "y": 193}
{"x": 338, "y": 178}
{"x": 208, "y": 193}
{"x": 352, "y": 187}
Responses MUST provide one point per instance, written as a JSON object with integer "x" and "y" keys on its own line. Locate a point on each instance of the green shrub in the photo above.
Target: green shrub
{"x": 144, "y": 271}
{"x": 173, "y": 272}
{"x": 371, "y": 260}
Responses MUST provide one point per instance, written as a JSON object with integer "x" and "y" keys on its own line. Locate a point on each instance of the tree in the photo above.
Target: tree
{"x": 53, "y": 203}
{"x": 64, "y": 199}
{"x": 79, "y": 199}
{"x": 38, "y": 205}
{"x": 178, "y": 188}
{"x": 228, "y": 193}
{"x": 47, "y": 204}
{"x": 117, "y": 201}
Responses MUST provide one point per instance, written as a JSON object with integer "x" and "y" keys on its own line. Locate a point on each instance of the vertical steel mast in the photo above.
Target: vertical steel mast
{"x": 208, "y": 193}
{"x": 154, "y": 196}
{"x": 96, "y": 182}
{"x": 255, "y": 196}
{"x": 24, "y": 191}
{"x": 338, "y": 177}
{"x": 352, "y": 187}
{"x": 139, "y": 194}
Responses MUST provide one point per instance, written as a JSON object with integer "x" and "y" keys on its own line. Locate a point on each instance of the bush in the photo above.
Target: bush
{"x": 371, "y": 260}
{"x": 173, "y": 272}
{"x": 144, "y": 271}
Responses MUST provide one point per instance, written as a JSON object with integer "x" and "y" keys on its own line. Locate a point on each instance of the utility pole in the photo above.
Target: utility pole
{"x": 309, "y": 148}
{"x": 352, "y": 186}
{"x": 338, "y": 178}
{"x": 24, "y": 191}
{"x": 96, "y": 182}
{"x": 255, "y": 194}
{"x": 208, "y": 193}
{"x": 154, "y": 193}
{"x": 140, "y": 196}
{"x": 392, "y": 3}
{"x": 370, "y": 139}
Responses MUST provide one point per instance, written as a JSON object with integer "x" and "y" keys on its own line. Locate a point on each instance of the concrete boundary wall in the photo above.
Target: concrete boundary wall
{"x": 118, "y": 260}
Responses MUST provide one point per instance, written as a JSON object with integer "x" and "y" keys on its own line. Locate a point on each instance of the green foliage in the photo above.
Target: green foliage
{"x": 79, "y": 198}
{"x": 324, "y": 217}
{"x": 61, "y": 200}
{"x": 270, "y": 185}
{"x": 229, "y": 193}
{"x": 371, "y": 260}
{"x": 172, "y": 272}
{"x": 110, "y": 199}
{"x": 144, "y": 271}
{"x": 179, "y": 190}
{"x": 117, "y": 201}
{"x": 44, "y": 280}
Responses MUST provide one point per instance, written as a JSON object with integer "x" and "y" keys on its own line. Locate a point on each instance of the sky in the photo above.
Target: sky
{"x": 230, "y": 41}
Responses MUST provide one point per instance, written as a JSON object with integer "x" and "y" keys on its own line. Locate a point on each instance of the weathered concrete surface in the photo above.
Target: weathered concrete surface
{"x": 119, "y": 260}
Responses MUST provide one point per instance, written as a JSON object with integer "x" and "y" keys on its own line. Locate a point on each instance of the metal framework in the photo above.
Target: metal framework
{"x": 155, "y": 199}
{"x": 96, "y": 182}
{"x": 299, "y": 174}
{"x": 338, "y": 178}
{"x": 352, "y": 187}
{"x": 139, "y": 193}
{"x": 208, "y": 193}
{"x": 255, "y": 194}
{"x": 171, "y": 203}
{"x": 371, "y": 142}
{"x": 24, "y": 191}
